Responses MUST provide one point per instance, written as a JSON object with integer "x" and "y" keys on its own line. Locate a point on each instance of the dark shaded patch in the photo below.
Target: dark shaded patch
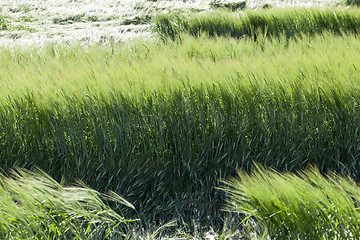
{"x": 233, "y": 6}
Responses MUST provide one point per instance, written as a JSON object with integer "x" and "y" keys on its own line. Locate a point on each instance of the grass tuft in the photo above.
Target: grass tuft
{"x": 3, "y": 23}
{"x": 33, "y": 205}
{"x": 305, "y": 205}
{"x": 233, "y": 6}
{"x": 69, "y": 19}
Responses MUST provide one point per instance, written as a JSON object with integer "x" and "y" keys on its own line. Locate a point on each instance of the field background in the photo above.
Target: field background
{"x": 35, "y": 22}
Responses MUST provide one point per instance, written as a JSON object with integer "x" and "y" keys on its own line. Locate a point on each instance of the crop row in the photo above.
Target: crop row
{"x": 250, "y": 24}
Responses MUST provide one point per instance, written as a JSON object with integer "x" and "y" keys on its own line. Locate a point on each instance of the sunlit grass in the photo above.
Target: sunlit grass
{"x": 140, "y": 68}
{"x": 305, "y": 205}
{"x": 34, "y": 206}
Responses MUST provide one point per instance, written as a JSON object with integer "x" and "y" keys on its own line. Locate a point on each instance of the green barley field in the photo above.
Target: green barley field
{"x": 231, "y": 121}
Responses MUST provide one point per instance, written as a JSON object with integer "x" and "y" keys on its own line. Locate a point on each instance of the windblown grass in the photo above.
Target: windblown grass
{"x": 305, "y": 205}
{"x": 162, "y": 123}
{"x": 34, "y": 206}
{"x": 273, "y": 23}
